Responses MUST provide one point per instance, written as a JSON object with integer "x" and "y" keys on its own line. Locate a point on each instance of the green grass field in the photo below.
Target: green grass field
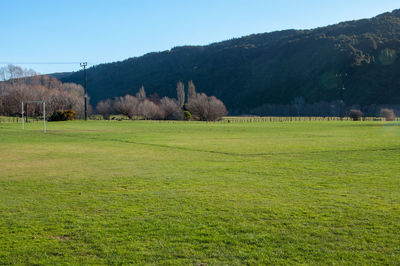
{"x": 109, "y": 192}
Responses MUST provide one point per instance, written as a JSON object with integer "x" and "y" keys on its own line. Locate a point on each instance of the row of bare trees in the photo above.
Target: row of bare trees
{"x": 197, "y": 106}
{"x": 19, "y": 85}
{"x": 13, "y": 73}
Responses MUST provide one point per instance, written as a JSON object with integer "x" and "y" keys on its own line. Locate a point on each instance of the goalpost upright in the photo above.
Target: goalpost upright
{"x": 44, "y": 113}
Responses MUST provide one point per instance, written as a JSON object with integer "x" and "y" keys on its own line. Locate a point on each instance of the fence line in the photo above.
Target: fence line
{"x": 233, "y": 119}
{"x": 17, "y": 119}
{"x": 295, "y": 119}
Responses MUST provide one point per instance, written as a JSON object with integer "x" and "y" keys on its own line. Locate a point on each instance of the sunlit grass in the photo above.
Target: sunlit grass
{"x": 102, "y": 192}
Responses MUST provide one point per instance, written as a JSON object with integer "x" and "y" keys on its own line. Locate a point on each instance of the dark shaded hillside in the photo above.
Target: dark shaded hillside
{"x": 270, "y": 68}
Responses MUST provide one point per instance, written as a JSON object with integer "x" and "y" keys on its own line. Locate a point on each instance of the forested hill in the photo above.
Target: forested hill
{"x": 270, "y": 68}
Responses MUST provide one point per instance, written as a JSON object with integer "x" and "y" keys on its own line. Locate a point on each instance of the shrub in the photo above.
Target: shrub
{"x": 187, "y": 115}
{"x": 127, "y": 105}
{"x": 355, "y": 114}
{"x": 388, "y": 114}
{"x": 63, "y": 115}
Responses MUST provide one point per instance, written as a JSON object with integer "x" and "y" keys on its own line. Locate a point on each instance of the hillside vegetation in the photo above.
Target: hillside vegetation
{"x": 270, "y": 68}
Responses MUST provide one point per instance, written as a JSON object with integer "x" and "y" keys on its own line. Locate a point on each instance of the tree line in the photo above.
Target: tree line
{"x": 196, "y": 106}
{"x": 17, "y": 85}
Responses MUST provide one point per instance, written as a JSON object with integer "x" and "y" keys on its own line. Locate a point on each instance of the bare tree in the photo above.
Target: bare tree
{"x": 141, "y": 95}
{"x": 127, "y": 105}
{"x": 14, "y": 73}
{"x": 191, "y": 90}
{"x": 355, "y": 114}
{"x": 388, "y": 114}
{"x": 206, "y": 108}
{"x": 171, "y": 109}
{"x": 155, "y": 98}
{"x": 197, "y": 106}
{"x": 30, "y": 72}
{"x": 105, "y": 108}
{"x": 3, "y": 74}
{"x": 216, "y": 109}
{"x": 150, "y": 110}
{"x": 180, "y": 92}
{"x": 73, "y": 88}
{"x": 14, "y": 95}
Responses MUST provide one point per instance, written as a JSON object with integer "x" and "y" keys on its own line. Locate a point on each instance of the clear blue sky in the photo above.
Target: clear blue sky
{"x": 100, "y": 31}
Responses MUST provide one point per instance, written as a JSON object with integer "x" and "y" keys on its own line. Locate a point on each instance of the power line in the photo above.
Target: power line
{"x": 45, "y": 63}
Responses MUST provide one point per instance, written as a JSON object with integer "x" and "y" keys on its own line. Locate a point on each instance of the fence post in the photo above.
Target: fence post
{"x": 22, "y": 114}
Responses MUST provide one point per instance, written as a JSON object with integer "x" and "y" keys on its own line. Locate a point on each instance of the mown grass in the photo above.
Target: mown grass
{"x": 103, "y": 192}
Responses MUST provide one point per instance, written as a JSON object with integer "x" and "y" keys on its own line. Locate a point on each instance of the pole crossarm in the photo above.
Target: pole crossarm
{"x": 84, "y": 65}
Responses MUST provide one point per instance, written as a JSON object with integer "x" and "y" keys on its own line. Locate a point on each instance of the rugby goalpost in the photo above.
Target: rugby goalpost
{"x": 44, "y": 113}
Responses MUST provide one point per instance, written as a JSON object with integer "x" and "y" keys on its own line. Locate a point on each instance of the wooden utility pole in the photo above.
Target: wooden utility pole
{"x": 84, "y": 64}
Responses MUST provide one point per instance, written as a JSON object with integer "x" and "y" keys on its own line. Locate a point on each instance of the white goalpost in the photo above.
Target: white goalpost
{"x": 44, "y": 113}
